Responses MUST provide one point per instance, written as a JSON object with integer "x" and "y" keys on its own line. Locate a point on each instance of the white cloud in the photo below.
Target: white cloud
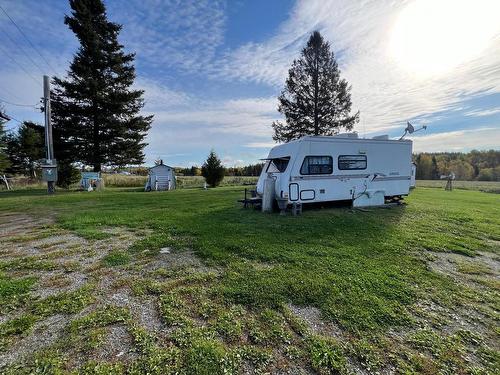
{"x": 267, "y": 145}
{"x": 181, "y": 34}
{"x": 251, "y": 116}
{"x": 158, "y": 97}
{"x": 199, "y": 125}
{"x": 360, "y": 32}
{"x": 484, "y": 112}
{"x": 460, "y": 140}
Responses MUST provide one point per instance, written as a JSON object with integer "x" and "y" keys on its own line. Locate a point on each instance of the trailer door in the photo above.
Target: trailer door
{"x": 293, "y": 192}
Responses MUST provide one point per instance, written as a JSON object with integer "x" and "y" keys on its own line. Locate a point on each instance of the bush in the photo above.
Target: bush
{"x": 489, "y": 174}
{"x": 67, "y": 175}
{"x": 212, "y": 170}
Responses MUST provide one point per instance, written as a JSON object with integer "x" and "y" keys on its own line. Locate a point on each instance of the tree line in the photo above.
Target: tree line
{"x": 247, "y": 170}
{"x": 474, "y": 165}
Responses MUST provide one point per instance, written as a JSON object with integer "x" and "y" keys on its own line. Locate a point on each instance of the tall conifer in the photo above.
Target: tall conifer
{"x": 95, "y": 111}
{"x": 315, "y": 100}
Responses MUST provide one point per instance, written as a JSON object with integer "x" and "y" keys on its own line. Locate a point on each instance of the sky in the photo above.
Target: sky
{"x": 212, "y": 69}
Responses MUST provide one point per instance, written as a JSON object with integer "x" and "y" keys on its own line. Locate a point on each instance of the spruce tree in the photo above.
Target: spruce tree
{"x": 95, "y": 111}
{"x": 213, "y": 170}
{"x": 26, "y": 148}
{"x": 315, "y": 100}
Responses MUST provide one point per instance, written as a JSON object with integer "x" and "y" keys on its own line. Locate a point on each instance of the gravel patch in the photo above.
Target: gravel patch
{"x": 312, "y": 317}
{"x": 144, "y": 310}
{"x": 54, "y": 283}
{"x": 43, "y": 335}
{"x": 117, "y": 347}
{"x": 177, "y": 260}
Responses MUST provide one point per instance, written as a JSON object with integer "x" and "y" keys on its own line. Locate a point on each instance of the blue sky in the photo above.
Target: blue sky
{"x": 212, "y": 69}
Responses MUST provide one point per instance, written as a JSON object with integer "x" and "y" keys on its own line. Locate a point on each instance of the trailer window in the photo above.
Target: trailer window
{"x": 278, "y": 165}
{"x": 317, "y": 165}
{"x": 347, "y": 162}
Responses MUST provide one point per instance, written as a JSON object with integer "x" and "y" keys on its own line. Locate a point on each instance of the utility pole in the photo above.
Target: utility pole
{"x": 49, "y": 168}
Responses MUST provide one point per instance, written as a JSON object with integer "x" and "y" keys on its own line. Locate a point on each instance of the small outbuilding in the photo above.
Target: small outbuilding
{"x": 161, "y": 177}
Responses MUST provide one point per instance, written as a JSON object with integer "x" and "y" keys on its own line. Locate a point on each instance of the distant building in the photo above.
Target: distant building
{"x": 161, "y": 177}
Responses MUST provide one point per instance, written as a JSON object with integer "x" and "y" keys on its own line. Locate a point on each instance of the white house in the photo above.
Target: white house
{"x": 161, "y": 177}
{"x": 342, "y": 167}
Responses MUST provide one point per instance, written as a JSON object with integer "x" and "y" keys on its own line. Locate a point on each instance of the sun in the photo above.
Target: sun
{"x": 432, "y": 37}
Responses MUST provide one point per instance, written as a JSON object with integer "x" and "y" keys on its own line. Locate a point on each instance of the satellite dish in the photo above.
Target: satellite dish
{"x": 410, "y": 129}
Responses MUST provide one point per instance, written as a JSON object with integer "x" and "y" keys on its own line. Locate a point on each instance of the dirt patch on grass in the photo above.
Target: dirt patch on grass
{"x": 42, "y": 335}
{"x": 466, "y": 269}
{"x": 20, "y": 224}
{"x": 143, "y": 310}
{"x": 176, "y": 260}
{"x": 117, "y": 346}
{"x": 63, "y": 262}
{"x": 312, "y": 317}
{"x": 58, "y": 282}
{"x": 472, "y": 319}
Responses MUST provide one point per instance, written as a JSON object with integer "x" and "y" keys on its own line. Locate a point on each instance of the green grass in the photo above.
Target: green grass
{"x": 337, "y": 260}
{"x": 14, "y": 290}
{"x": 364, "y": 270}
{"x": 116, "y": 258}
{"x": 486, "y": 186}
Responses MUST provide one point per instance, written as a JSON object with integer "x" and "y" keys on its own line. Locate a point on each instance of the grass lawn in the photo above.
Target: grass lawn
{"x": 486, "y": 186}
{"x": 187, "y": 281}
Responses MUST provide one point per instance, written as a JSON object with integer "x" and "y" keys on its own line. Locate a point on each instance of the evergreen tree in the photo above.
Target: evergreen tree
{"x": 67, "y": 175}
{"x": 435, "y": 171}
{"x": 95, "y": 111}
{"x": 26, "y": 148}
{"x": 213, "y": 170}
{"x": 315, "y": 100}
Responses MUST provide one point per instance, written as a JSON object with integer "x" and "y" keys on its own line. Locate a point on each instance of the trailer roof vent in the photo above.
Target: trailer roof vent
{"x": 384, "y": 137}
{"x": 347, "y": 135}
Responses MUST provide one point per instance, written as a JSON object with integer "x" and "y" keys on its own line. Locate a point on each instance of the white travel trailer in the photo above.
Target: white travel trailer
{"x": 160, "y": 177}
{"x": 343, "y": 167}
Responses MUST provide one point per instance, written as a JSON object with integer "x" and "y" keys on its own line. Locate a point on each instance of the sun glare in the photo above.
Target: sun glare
{"x": 431, "y": 37}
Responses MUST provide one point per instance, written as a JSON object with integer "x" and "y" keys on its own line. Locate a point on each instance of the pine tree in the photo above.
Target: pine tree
{"x": 95, "y": 111}
{"x": 213, "y": 170}
{"x": 26, "y": 148}
{"x": 315, "y": 100}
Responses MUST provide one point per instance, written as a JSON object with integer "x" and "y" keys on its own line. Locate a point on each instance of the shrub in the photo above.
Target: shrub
{"x": 212, "y": 170}
{"x": 67, "y": 175}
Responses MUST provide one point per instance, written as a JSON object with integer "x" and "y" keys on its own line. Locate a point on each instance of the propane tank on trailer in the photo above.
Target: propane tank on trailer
{"x": 268, "y": 193}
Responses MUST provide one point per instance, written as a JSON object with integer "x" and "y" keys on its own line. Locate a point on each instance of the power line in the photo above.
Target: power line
{"x": 23, "y": 51}
{"x": 11, "y": 94}
{"x": 15, "y": 119}
{"x": 28, "y": 40}
{"x": 6, "y": 53}
{"x": 17, "y": 104}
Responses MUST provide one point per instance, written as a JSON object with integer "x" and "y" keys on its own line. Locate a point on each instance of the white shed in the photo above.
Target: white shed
{"x": 160, "y": 177}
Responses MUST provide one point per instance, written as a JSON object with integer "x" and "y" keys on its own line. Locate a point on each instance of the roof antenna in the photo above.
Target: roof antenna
{"x": 410, "y": 129}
